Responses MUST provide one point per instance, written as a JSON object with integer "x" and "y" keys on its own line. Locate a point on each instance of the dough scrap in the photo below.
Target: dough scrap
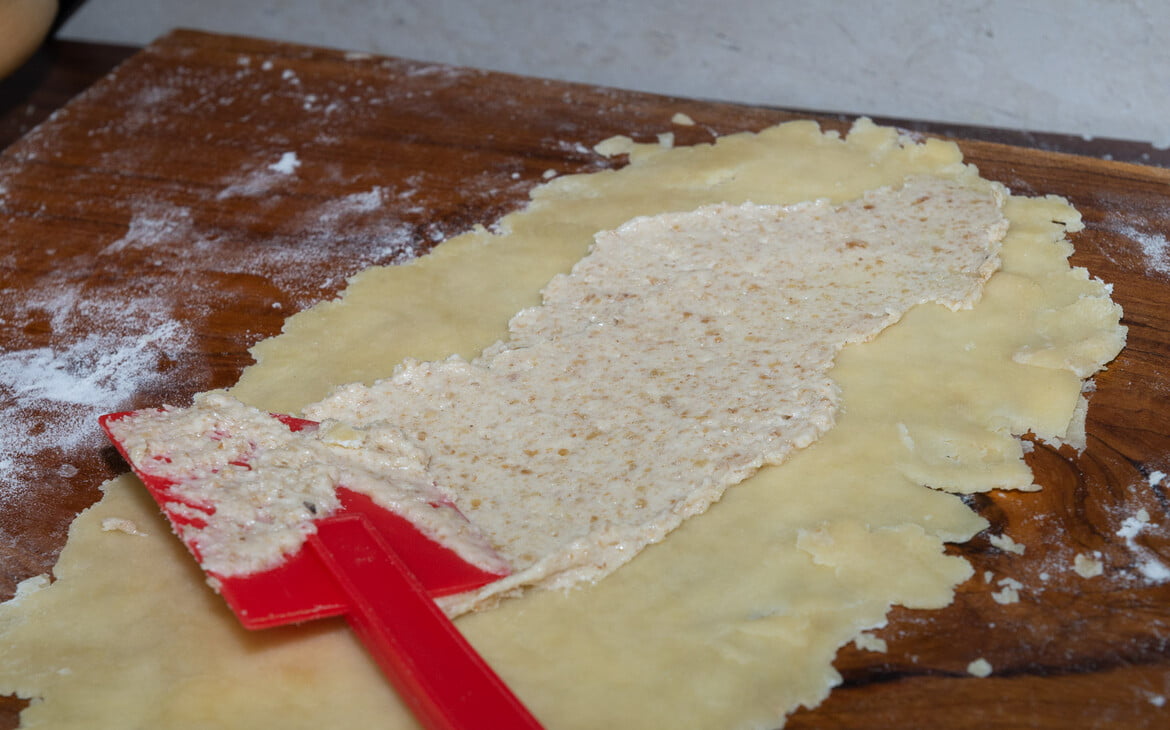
{"x": 699, "y": 631}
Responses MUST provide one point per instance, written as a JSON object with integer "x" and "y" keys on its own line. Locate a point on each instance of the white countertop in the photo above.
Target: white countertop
{"x": 1077, "y": 67}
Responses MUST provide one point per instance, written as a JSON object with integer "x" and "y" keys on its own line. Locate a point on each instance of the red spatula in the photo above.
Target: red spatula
{"x": 376, "y": 568}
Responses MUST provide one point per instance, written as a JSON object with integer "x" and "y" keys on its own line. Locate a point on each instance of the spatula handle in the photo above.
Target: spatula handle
{"x": 435, "y": 670}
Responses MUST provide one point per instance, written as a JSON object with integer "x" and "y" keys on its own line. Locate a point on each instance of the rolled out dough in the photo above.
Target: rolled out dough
{"x": 734, "y": 619}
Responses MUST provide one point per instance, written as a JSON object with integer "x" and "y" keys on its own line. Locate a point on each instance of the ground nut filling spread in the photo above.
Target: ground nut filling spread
{"x": 683, "y": 353}
{"x": 247, "y": 489}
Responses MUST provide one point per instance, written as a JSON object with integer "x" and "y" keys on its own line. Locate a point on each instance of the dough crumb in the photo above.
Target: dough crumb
{"x": 548, "y": 174}
{"x": 612, "y": 147}
{"x": 868, "y": 642}
{"x": 1009, "y": 593}
{"x": 979, "y": 668}
{"x": 117, "y": 524}
{"x": 1087, "y": 567}
{"x": 1157, "y": 477}
{"x": 666, "y": 140}
{"x": 683, "y": 120}
{"x": 1008, "y": 545}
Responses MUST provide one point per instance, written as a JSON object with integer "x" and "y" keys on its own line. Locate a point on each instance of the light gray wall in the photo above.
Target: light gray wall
{"x": 1088, "y": 68}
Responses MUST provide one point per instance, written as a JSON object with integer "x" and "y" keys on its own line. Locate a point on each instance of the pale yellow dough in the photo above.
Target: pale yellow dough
{"x": 734, "y": 619}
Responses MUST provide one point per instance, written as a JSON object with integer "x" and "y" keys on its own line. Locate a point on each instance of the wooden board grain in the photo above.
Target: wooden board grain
{"x": 151, "y": 234}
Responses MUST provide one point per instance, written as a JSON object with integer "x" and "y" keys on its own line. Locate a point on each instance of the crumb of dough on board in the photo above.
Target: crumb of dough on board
{"x": 1009, "y": 591}
{"x": 1088, "y": 566}
{"x": 1007, "y": 544}
{"x": 979, "y": 668}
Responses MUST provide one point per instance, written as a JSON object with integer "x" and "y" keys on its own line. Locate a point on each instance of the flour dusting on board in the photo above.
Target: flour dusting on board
{"x": 1147, "y": 229}
{"x": 1146, "y": 561}
{"x": 1155, "y": 248}
{"x": 287, "y": 164}
{"x": 54, "y": 393}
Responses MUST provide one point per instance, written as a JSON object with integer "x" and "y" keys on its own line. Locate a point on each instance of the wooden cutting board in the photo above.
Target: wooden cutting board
{"x": 151, "y": 234}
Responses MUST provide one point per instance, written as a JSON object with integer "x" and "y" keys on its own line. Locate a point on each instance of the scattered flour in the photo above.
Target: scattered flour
{"x": 89, "y": 373}
{"x": 287, "y": 164}
{"x": 338, "y": 237}
{"x": 261, "y": 181}
{"x": 150, "y": 226}
{"x": 979, "y": 668}
{"x": 1148, "y": 564}
{"x": 577, "y": 149}
{"x": 1154, "y": 570}
{"x": 54, "y": 393}
{"x": 1155, "y": 247}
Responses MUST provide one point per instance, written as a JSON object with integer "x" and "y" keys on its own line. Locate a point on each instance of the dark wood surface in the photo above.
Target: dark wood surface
{"x": 147, "y": 244}
{"x": 55, "y": 74}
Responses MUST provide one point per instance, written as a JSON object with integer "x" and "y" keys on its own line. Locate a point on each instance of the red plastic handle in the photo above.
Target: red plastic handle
{"x": 436, "y": 671}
